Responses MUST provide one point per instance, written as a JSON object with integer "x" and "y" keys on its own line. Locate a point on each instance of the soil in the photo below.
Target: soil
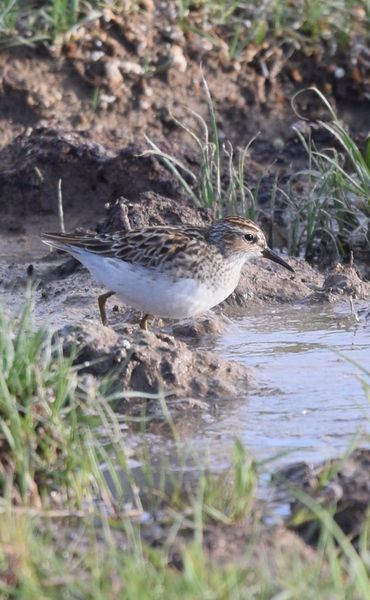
{"x": 78, "y": 112}
{"x": 341, "y": 486}
{"x": 152, "y": 363}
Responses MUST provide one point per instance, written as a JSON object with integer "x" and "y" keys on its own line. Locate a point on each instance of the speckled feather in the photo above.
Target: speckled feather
{"x": 169, "y": 271}
{"x": 195, "y": 249}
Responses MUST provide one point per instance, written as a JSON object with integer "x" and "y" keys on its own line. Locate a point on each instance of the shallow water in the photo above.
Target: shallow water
{"x": 305, "y": 400}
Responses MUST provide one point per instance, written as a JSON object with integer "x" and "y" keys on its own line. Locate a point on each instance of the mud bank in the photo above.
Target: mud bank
{"x": 73, "y": 119}
{"x": 108, "y": 191}
{"x": 153, "y": 363}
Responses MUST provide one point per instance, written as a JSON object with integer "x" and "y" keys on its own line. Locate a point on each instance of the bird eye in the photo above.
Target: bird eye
{"x": 250, "y": 237}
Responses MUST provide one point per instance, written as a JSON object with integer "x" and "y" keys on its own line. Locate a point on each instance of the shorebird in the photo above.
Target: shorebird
{"x": 173, "y": 272}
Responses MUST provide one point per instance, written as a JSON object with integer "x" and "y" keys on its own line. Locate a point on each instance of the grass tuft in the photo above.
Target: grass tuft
{"x": 220, "y": 182}
{"x": 336, "y": 206}
{"x": 24, "y": 22}
{"x": 309, "y": 27}
{"x": 66, "y": 532}
{"x": 48, "y": 411}
{"x": 39, "y": 439}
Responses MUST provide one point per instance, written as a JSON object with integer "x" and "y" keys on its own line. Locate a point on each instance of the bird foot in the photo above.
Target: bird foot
{"x": 102, "y": 299}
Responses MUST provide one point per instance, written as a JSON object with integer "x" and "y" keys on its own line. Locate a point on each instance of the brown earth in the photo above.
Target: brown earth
{"x": 78, "y": 112}
{"x": 145, "y": 66}
{"x": 51, "y": 133}
{"x": 152, "y": 363}
{"x": 77, "y": 105}
{"x": 341, "y": 486}
{"x": 123, "y": 190}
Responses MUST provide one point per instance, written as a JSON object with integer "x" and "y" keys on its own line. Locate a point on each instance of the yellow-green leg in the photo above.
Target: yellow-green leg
{"x": 101, "y": 302}
{"x": 144, "y": 323}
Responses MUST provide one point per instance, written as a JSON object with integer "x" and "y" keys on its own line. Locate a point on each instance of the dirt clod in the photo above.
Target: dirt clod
{"x": 341, "y": 486}
{"x": 344, "y": 280}
{"x": 148, "y": 362}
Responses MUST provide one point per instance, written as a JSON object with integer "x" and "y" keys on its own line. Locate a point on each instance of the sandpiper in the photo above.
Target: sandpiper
{"x": 172, "y": 272}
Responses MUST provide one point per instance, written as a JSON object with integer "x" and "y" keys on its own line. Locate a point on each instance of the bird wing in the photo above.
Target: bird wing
{"x": 150, "y": 247}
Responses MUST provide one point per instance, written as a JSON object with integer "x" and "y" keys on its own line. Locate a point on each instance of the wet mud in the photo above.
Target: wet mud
{"x": 50, "y": 132}
{"x": 106, "y": 191}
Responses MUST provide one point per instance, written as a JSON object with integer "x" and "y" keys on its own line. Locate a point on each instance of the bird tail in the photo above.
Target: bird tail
{"x": 60, "y": 241}
{"x": 67, "y": 241}
{"x": 78, "y": 243}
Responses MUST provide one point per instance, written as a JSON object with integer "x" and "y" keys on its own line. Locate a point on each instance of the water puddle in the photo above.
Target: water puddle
{"x": 305, "y": 400}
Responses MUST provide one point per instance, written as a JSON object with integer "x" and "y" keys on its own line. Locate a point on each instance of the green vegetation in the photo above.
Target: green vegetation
{"x": 38, "y": 430}
{"x": 66, "y": 533}
{"x": 220, "y": 179}
{"x": 45, "y": 415}
{"x": 89, "y": 567}
{"x": 23, "y": 22}
{"x": 303, "y": 24}
{"x": 352, "y": 171}
{"x": 334, "y": 208}
{"x": 336, "y": 205}
{"x": 82, "y": 515}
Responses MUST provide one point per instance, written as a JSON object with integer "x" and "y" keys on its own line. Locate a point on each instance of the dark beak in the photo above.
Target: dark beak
{"x": 267, "y": 253}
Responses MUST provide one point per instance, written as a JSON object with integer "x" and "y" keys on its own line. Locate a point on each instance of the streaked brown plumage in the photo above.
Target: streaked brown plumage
{"x": 169, "y": 271}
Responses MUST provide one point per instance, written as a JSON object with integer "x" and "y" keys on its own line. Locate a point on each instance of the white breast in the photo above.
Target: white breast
{"x": 155, "y": 292}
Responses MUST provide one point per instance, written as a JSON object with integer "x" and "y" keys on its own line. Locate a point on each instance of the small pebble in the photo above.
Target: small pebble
{"x": 178, "y": 59}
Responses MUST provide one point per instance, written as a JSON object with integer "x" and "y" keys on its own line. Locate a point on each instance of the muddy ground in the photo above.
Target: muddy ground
{"x": 78, "y": 113}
